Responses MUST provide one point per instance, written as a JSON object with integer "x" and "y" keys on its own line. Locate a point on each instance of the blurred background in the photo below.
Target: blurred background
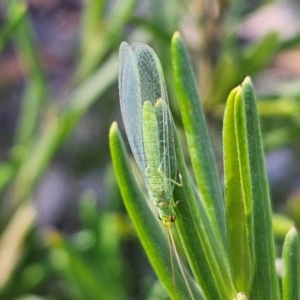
{"x": 64, "y": 233}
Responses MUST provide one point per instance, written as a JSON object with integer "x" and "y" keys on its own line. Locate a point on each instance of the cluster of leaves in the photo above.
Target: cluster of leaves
{"x": 230, "y": 248}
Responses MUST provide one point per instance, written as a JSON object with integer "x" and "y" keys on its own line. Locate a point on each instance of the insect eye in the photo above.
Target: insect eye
{"x": 172, "y": 218}
{"x": 159, "y": 217}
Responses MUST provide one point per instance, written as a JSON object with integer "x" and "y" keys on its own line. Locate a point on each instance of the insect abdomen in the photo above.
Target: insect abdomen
{"x": 166, "y": 140}
{"x": 151, "y": 146}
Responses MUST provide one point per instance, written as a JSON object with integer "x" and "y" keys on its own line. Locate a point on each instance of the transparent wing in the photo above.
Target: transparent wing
{"x": 151, "y": 74}
{"x": 152, "y": 88}
{"x": 131, "y": 103}
{"x": 141, "y": 79}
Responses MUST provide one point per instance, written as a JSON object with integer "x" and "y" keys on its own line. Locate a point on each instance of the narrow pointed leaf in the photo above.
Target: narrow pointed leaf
{"x": 147, "y": 227}
{"x": 291, "y": 266}
{"x": 265, "y": 284}
{"x": 197, "y": 137}
{"x": 238, "y": 193}
{"x": 207, "y": 260}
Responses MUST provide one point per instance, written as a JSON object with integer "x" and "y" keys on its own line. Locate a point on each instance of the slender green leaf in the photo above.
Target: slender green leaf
{"x": 265, "y": 284}
{"x": 238, "y": 193}
{"x": 202, "y": 157}
{"x": 291, "y": 266}
{"x": 207, "y": 259}
{"x": 146, "y": 224}
{"x": 206, "y": 249}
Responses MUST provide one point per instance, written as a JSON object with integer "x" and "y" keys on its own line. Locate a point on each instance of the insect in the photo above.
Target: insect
{"x": 149, "y": 124}
{"x": 149, "y": 127}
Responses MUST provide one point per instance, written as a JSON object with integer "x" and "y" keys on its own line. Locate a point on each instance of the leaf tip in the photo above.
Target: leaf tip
{"x": 247, "y": 80}
{"x": 176, "y": 38}
{"x": 113, "y": 128}
{"x": 292, "y": 231}
{"x": 176, "y": 35}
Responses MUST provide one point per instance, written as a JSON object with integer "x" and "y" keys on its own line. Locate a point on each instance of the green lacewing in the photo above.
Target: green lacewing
{"x": 149, "y": 127}
{"x": 148, "y": 123}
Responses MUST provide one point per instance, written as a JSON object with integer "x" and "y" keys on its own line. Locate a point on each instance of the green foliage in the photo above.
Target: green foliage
{"x": 236, "y": 260}
{"x": 49, "y": 264}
